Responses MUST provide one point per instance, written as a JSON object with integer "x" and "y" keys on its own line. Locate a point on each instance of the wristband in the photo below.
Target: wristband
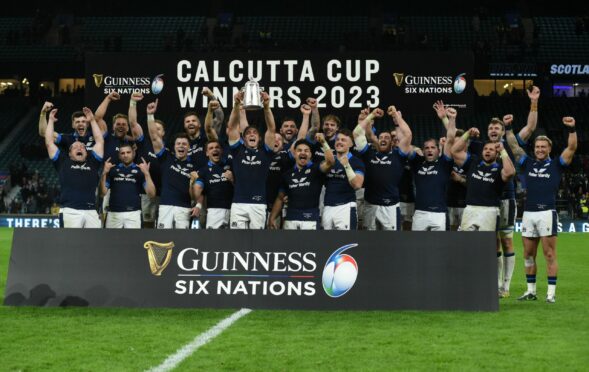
{"x": 445, "y": 120}
{"x": 325, "y": 146}
{"x": 132, "y": 103}
{"x": 534, "y": 107}
{"x": 504, "y": 153}
{"x": 150, "y": 117}
{"x": 465, "y": 136}
{"x": 349, "y": 172}
{"x": 370, "y": 117}
{"x": 572, "y": 129}
{"x": 198, "y": 205}
{"x": 508, "y": 127}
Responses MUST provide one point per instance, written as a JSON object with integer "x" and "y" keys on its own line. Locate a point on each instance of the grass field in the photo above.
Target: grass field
{"x": 521, "y": 336}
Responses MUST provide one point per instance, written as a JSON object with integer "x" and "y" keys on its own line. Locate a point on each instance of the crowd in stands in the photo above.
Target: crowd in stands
{"x": 34, "y": 196}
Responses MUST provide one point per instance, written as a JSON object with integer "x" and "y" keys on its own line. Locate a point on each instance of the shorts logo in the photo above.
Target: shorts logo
{"x": 340, "y": 272}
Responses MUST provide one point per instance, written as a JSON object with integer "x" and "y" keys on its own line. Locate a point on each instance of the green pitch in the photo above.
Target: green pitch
{"x": 521, "y": 336}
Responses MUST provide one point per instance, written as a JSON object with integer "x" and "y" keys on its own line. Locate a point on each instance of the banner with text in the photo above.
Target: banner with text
{"x": 342, "y": 83}
{"x": 255, "y": 269}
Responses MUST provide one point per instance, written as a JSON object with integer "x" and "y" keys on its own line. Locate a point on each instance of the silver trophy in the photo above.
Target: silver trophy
{"x": 252, "y": 95}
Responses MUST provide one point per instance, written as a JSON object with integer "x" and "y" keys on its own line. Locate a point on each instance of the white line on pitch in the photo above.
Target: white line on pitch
{"x": 187, "y": 350}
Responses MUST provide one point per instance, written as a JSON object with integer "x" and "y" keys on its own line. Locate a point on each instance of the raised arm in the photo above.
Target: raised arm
{"x": 209, "y": 121}
{"x": 149, "y": 185}
{"x": 329, "y": 161}
{"x": 304, "y": 129}
{"x": 243, "y": 123}
{"x": 156, "y": 140}
{"x": 508, "y": 169}
{"x": 440, "y": 110}
{"x": 315, "y": 117}
{"x": 460, "y": 146}
{"x": 47, "y": 107}
{"x": 269, "y": 138}
{"x": 101, "y": 110}
{"x": 136, "y": 129}
{"x": 363, "y": 130}
{"x": 450, "y": 131}
{"x": 526, "y": 132}
{"x": 354, "y": 179}
{"x": 96, "y": 132}
{"x": 233, "y": 125}
{"x": 103, "y": 188}
{"x": 404, "y": 132}
{"x": 512, "y": 142}
{"x": 370, "y": 136}
{"x": 219, "y": 115}
{"x": 50, "y": 134}
{"x": 569, "y": 152}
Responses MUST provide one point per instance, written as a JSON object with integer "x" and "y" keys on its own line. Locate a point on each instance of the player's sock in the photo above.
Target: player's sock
{"x": 531, "y": 279}
{"x": 499, "y": 270}
{"x": 508, "y": 266}
{"x": 551, "y": 286}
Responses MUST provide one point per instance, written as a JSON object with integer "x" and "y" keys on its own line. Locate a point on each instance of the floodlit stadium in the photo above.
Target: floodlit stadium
{"x": 155, "y": 162}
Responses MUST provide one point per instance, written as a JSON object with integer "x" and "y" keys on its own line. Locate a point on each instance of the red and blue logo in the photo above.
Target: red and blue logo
{"x": 340, "y": 272}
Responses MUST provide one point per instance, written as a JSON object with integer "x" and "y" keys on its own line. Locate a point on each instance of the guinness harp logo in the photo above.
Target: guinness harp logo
{"x": 398, "y": 78}
{"x": 159, "y": 255}
{"x": 98, "y": 79}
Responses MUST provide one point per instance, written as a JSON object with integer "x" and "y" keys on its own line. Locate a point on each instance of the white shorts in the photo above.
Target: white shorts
{"x": 300, "y": 225}
{"x": 77, "y": 218}
{"x": 340, "y": 217}
{"x": 149, "y": 207}
{"x": 407, "y": 210}
{"x": 455, "y": 215}
{"x": 248, "y": 216}
{"x": 218, "y": 218}
{"x": 537, "y": 224}
{"x": 382, "y": 217}
{"x": 172, "y": 217}
{"x": 123, "y": 220}
{"x": 428, "y": 221}
{"x": 477, "y": 218}
{"x": 507, "y": 212}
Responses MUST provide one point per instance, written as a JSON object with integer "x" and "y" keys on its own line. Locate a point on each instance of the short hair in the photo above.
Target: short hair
{"x": 346, "y": 132}
{"x": 542, "y": 138}
{"x": 181, "y": 135}
{"x": 497, "y": 121}
{"x": 160, "y": 122}
{"x": 120, "y": 116}
{"x": 489, "y": 142}
{"x": 126, "y": 145}
{"x": 288, "y": 118}
{"x": 77, "y": 114}
{"x": 332, "y": 117}
{"x": 212, "y": 141}
{"x": 190, "y": 113}
{"x": 73, "y": 143}
{"x": 429, "y": 140}
{"x": 252, "y": 128}
{"x": 303, "y": 141}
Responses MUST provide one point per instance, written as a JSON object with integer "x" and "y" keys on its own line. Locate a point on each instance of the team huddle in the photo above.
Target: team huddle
{"x": 310, "y": 176}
